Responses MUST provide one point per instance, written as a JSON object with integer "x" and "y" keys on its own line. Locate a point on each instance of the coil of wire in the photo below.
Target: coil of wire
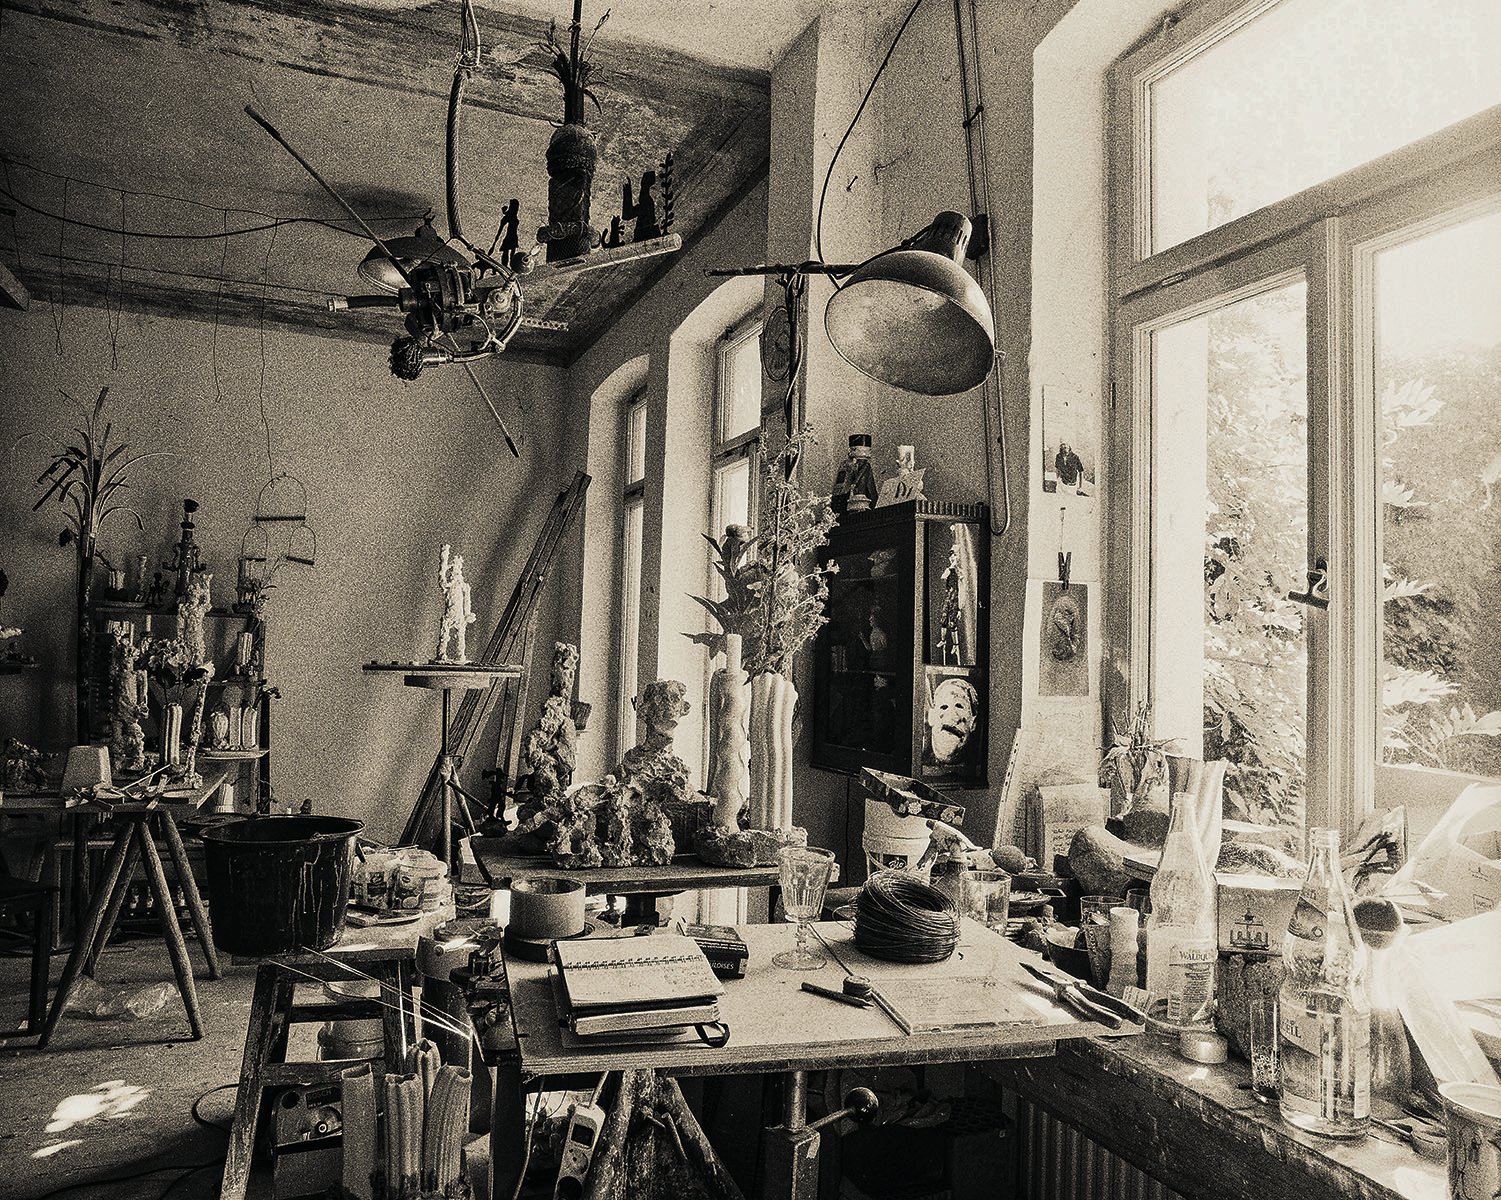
{"x": 899, "y": 918}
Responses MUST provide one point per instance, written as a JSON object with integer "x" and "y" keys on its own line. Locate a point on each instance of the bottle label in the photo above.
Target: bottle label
{"x": 1190, "y": 983}
{"x": 1326, "y": 1062}
{"x": 1308, "y": 920}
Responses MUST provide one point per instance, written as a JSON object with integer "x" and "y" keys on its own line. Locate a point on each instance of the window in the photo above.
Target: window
{"x": 633, "y": 510}
{"x": 737, "y": 428}
{"x": 1307, "y": 348}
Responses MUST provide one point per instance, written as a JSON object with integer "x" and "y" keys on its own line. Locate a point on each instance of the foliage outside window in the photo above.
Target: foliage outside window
{"x": 1246, "y": 434}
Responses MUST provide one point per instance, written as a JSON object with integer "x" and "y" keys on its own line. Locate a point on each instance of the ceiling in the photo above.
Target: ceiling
{"x": 129, "y": 113}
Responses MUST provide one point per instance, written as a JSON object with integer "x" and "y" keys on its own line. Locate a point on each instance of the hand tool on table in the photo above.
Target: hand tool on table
{"x": 832, "y": 994}
{"x": 1087, "y": 1000}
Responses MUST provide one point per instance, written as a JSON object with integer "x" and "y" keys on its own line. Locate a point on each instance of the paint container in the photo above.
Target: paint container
{"x": 1472, "y": 1112}
{"x": 276, "y": 884}
{"x": 547, "y": 908}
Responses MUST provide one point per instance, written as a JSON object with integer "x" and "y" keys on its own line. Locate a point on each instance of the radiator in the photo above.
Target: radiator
{"x": 1056, "y": 1161}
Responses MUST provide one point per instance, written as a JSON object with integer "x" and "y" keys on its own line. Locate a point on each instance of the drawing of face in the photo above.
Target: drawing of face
{"x": 951, "y": 718}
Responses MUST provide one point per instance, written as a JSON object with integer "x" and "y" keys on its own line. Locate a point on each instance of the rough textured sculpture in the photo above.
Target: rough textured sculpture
{"x": 549, "y": 751}
{"x": 127, "y": 744}
{"x": 191, "y": 610}
{"x": 652, "y": 766}
{"x": 457, "y": 615}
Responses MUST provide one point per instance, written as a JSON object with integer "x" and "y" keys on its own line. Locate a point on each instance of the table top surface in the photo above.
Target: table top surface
{"x": 686, "y": 872}
{"x": 18, "y": 804}
{"x": 775, "y": 1026}
{"x": 367, "y": 944}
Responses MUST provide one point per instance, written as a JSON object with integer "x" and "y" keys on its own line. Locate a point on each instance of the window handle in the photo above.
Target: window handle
{"x": 1317, "y": 593}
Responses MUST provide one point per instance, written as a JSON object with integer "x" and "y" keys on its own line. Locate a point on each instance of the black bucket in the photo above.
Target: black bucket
{"x": 276, "y": 884}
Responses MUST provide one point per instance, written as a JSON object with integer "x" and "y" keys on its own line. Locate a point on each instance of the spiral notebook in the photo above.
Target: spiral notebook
{"x": 665, "y": 970}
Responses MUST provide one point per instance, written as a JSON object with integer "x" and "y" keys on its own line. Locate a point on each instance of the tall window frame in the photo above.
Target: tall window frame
{"x": 1326, "y": 236}
{"x": 735, "y": 428}
{"x": 632, "y": 541}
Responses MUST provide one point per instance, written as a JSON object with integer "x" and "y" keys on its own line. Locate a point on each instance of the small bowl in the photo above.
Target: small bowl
{"x": 1065, "y": 952}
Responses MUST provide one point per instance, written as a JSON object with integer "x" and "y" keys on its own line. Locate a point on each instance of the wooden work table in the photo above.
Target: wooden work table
{"x": 1199, "y": 1130}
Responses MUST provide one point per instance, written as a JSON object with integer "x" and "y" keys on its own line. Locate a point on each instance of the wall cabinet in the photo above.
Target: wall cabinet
{"x": 901, "y": 668}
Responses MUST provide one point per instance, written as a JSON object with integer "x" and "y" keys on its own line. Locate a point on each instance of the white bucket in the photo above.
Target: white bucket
{"x": 893, "y": 853}
{"x": 882, "y": 822}
{"x": 1472, "y": 1112}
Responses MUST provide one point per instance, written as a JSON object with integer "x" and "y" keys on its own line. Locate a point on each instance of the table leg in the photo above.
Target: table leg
{"x": 166, "y": 911}
{"x": 196, "y": 910}
{"x": 792, "y": 1147}
{"x": 112, "y": 910}
{"x": 84, "y": 932}
{"x": 82, "y": 822}
{"x": 260, "y": 1033}
{"x": 44, "y": 916}
{"x": 445, "y": 835}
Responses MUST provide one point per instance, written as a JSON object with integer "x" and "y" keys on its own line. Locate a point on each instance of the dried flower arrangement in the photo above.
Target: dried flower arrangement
{"x": 1134, "y": 764}
{"x": 775, "y": 589}
{"x": 571, "y": 63}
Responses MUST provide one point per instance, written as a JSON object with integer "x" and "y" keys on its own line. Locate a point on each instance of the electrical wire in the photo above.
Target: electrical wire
{"x": 899, "y": 918}
{"x": 531, "y": 1129}
{"x": 261, "y": 324}
{"x": 198, "y": 1115}
{"x": 864, "y": 100}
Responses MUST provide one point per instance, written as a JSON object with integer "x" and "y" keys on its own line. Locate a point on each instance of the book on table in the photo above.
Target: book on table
{"x": 608, "y": 985}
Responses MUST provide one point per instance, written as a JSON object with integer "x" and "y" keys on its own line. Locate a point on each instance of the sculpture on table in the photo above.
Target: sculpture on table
{"x": 457, "y": 615}
{"x": 855, "y": 487}
{"x": 729, "y": 767}
{"x": 549, "y": 754}
{"x": 654, "y": 769}
{"x": 127, "y": 742}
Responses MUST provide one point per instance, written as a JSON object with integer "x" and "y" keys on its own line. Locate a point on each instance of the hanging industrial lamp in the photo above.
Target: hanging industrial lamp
{"x": 913, "y": 317}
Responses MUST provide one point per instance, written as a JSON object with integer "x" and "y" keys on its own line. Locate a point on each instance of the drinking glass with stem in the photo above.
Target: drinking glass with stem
{"x": 805, "y": 873}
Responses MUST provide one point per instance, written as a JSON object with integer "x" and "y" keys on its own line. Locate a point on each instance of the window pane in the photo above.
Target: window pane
{"x": 1438, "y": 381}
{"x": 1230, "y": 539}
{"x": 740, "y": 388}
{"x": 630, "y": 619}
{"x": 635, "y": 440}
{"x": 1307, "y": 90}
{"x": 731, "y": 494}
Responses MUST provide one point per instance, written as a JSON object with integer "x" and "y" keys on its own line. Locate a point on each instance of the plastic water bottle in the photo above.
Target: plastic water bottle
{"x": 1182, "y": 937}
{"x": 1324, "y": 1017}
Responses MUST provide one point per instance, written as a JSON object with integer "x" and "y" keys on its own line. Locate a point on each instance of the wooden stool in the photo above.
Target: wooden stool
{"x": 134, "y": 841}
{"x": 273, "y": 1013}
{"x": 40, "y": 899}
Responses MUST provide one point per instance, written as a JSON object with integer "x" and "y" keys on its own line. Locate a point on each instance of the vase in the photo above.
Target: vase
{"x": 729, "y": 765}
{"x": 773, "y": 702}
{"x": 571, "y": 157}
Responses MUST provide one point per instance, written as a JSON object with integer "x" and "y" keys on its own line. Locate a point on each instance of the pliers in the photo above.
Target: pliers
{"x": 1087, "y": 1000}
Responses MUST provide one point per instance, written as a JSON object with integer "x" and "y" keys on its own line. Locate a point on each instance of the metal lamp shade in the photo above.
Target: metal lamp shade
{"x": 915, "y": 318}
{"x": 424, "y": 248}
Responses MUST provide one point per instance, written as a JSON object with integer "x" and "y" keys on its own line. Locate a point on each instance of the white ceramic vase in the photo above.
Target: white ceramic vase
{"x": 729, "y": 764}
{"x": 773, "y": 702}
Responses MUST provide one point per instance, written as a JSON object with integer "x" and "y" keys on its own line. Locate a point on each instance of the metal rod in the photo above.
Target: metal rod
{"x": 811, "y": 267}
{"x": 329, "y": 188}
{"x": 794, "y": 1100}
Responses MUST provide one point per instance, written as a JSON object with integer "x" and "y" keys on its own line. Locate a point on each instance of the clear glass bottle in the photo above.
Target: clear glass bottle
{"x": 1182, "y": 937}
{"x": 1324, "y": 1016}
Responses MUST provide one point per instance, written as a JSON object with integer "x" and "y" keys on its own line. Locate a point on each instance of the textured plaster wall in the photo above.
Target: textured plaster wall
{"x": 392, "y": 471}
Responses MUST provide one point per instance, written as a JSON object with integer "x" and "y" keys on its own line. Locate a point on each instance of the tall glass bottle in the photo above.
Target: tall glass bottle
{"x": 1324, "y": 1017}
{"x": 1182, "y": 938}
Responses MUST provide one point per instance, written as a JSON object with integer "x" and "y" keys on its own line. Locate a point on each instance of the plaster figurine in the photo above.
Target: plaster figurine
{"x": 457, "y": 615}
{"x": 906, "y": 484}
{"x": 191, "y": 610}
{"x": 127, "y": 744}
{"x": 952, "y": 716}
{"x": 218, "y": 729}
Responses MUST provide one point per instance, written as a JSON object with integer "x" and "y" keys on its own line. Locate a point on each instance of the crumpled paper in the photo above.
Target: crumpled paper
{"x": 90, "y": 999}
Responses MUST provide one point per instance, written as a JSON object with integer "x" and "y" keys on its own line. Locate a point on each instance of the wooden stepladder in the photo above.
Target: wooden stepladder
{"x": 510, "y": 642}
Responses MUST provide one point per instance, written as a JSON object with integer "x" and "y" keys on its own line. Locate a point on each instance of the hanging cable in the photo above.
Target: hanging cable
{"x": 114, "y": 315}
{"x": 855, "y": 120}
{"x": 56, "y": 310}
{"x": 218, "y": 303}
{"x": 261, "y": 394}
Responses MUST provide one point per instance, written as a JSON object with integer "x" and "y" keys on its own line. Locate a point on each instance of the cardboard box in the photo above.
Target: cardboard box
{"x": 1254, "y": 911}
{"x": 1470, "y": 876}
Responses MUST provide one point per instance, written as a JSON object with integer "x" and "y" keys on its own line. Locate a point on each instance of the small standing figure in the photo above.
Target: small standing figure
{"x": 906, "y": 484}
{"x": 951, "y": 623}
{"x": 643, "y": 209}
{"x": 509, "y": 233}
{"x": 855, "y": 485}
{"x": 457, "y": 615}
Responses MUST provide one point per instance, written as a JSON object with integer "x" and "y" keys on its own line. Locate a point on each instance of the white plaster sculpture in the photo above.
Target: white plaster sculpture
{"x": 729, "y": 770}
{"x": 191, "y": 610}
{"x": 906, "y": 484}
{"x": 457, "y": 615}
